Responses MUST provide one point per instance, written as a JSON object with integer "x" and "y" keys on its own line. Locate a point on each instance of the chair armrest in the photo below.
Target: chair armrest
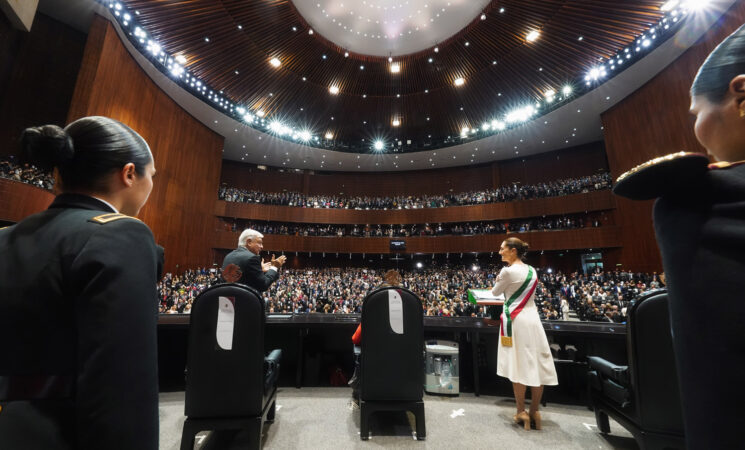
{"x": 619, "y": 374}
{"x": 273, "y": 359}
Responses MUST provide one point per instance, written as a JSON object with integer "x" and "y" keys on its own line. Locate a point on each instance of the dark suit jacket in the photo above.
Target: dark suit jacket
{"x": 250, "y": 265}
{"x": 78, "y": 322}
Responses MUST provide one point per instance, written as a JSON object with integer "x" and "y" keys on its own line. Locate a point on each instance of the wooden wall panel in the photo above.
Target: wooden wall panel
{"x": 651, "y": 122}
{"x": 567, "y": 163}
{"x": 187, "y": 154}
{"x": 37, "y": 76}
{"x": 19, "y": 200}
{"x": 603, "y": 237}
{"x": 593, "y": 201}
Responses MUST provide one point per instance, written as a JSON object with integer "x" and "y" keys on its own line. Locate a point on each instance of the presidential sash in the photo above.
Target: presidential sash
{"x": 514, "y": 305}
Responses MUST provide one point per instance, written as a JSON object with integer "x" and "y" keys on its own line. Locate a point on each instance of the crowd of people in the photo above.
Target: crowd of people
{"x": 597, "y": 296}
{"x": 502, "y": 194}
{"x": 565, "y": 222}
{"x": 25, "y": 173}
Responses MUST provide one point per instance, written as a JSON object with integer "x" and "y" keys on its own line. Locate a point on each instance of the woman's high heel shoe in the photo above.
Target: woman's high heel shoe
{"x": 523, "y": 417}
{"x": 536, "y": 419}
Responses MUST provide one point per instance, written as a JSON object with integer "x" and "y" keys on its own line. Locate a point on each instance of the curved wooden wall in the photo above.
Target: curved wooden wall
{"x": 602, "y": 237}
{"x": 593, "y": 201}
{"x": 188, "y": 155}
{"x": 20, "y": 200}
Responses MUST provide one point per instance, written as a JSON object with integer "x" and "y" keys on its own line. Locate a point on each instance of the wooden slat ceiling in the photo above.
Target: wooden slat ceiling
{"x": 369, "y": 99}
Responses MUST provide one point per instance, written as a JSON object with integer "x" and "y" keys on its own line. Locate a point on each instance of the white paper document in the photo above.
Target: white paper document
{"x": 395, "y": 311}
{"x": 225, "y": 323}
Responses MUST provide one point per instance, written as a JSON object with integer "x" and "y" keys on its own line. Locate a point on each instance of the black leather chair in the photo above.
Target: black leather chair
{"x": 391, "y": 364}
{"x": 644, "y": 396}
{"x": 231, "y": 389}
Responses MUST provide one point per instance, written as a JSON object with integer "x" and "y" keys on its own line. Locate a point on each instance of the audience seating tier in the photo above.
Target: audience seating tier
{"x": 577, "y": 203}
{"x": 601, "y": 237}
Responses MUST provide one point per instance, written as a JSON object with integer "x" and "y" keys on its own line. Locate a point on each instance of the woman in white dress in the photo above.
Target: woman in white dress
{"x": 523, "y": 355}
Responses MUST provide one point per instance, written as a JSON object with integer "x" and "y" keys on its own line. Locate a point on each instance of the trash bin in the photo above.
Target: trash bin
{"x": 442, "y": 371}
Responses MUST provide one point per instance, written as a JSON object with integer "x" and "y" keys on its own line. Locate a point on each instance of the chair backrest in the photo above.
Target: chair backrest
{"x": 654, "y": 376}
{"x": 225, "y": 361}
{"x": 392, "y": 360}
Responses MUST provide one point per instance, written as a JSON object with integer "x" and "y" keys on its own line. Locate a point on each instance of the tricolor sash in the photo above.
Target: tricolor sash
{"x": 514, "y": 305}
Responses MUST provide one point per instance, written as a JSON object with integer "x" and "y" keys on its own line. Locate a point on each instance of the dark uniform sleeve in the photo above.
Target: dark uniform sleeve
{"x": 255, "y": 277}
{"x": 117, "y": 386}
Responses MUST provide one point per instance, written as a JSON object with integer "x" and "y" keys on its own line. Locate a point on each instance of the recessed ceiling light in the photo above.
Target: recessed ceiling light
{"x": 396, "y": 122}
{"x": 334, "y": 90}
{"x": 310, "y": 31}
{"x": 483, "y": 16}
{"x": 329, "y": 135}
{"x": 437, "y": 49}
{"x": 275, "y": 62}
{"x": 459, "y": 82}
{"x": 532, "y": 36}
{"x": 395, "y": 68}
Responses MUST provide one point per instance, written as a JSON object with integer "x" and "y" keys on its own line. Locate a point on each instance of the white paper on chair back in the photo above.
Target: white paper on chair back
{"x": 395, "y": 311}
{"x": 225, "y": 322}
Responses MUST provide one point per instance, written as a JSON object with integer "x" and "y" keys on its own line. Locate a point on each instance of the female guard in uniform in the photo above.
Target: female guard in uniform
{"x": 699, "y": 221}
{"x": 523, "y": 355}
{"x": 78, "y": 355}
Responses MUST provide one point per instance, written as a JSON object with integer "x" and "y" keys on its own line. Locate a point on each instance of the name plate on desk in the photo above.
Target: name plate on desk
{"x": 484, "y": 297}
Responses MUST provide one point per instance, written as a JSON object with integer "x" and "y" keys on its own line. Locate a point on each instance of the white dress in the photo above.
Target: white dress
{"x": 528, "y": 361}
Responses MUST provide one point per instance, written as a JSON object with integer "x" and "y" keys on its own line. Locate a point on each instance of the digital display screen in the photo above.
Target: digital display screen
{"x": 398, "y": 245}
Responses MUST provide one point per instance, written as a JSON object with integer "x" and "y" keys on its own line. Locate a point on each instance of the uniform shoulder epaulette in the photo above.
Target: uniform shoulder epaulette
{"x": 110, "y": 217}
{"x": 662, "y": 175}
{"x": 725, "y": 164}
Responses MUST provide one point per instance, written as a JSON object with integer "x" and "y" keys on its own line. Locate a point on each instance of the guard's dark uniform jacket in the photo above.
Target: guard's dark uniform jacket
{"x": 78, "y": 318}
{"x": 699, "y": 221}
{"x": 250, "y": 273}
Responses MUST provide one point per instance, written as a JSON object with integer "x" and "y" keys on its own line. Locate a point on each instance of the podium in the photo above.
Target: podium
{"x": 484, "y": 297}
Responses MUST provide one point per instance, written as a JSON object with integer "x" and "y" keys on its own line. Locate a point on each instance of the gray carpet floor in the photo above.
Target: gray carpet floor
{"x": 326, "y": 418}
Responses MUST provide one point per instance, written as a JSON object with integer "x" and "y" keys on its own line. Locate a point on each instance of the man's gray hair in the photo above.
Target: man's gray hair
{"x": 248, "y": 233}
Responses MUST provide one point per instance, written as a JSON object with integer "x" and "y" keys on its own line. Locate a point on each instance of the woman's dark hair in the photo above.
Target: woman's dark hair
{"x": 723, "y": 64}
{"x": 517, "y": 244}
{"x": 85, "y": 151}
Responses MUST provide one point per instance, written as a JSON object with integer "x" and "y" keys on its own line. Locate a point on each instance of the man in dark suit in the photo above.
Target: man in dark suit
{"x": 244, "y": 265}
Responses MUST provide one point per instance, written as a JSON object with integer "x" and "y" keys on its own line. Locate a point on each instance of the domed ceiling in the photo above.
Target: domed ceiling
{"x": 305, "y": 69}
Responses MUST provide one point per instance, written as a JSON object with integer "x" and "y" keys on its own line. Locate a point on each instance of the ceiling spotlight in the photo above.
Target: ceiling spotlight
{"x": 464, "y": 131}
{"x": 549, "y": 93}
{"x": 390, "y": 59}
{"x": 395, "y": 68}
{"x": 310, "y": 31}
{"x": 667, "y": 6}
{"x": 378, "y": 145}
{"x": 430, "y": 60}
{"x": 483, "y": 16}
{"x": 459, "y": 81}
{"x": 396, "y": 122}
{"x": 486, "y": 126}
{"x": 181, "y": 59}
{"x": 275, "y": 62}
{"x": 566, "y": 90}
{"x": 305, "y": 135}
{"x": 501, "y": 10}
{"x": 437, "y": 49}
{"x": 329, "y": 135}
{"x": 362, "y": 67}
{"x": 532, "y": 36}
{"x": 334, "y": 90}
{"x": 260, "y": 113}
{"x": 346, "y": 54}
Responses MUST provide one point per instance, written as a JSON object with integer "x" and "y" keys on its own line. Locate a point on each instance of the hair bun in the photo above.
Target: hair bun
{"x": 47, "y": 146}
